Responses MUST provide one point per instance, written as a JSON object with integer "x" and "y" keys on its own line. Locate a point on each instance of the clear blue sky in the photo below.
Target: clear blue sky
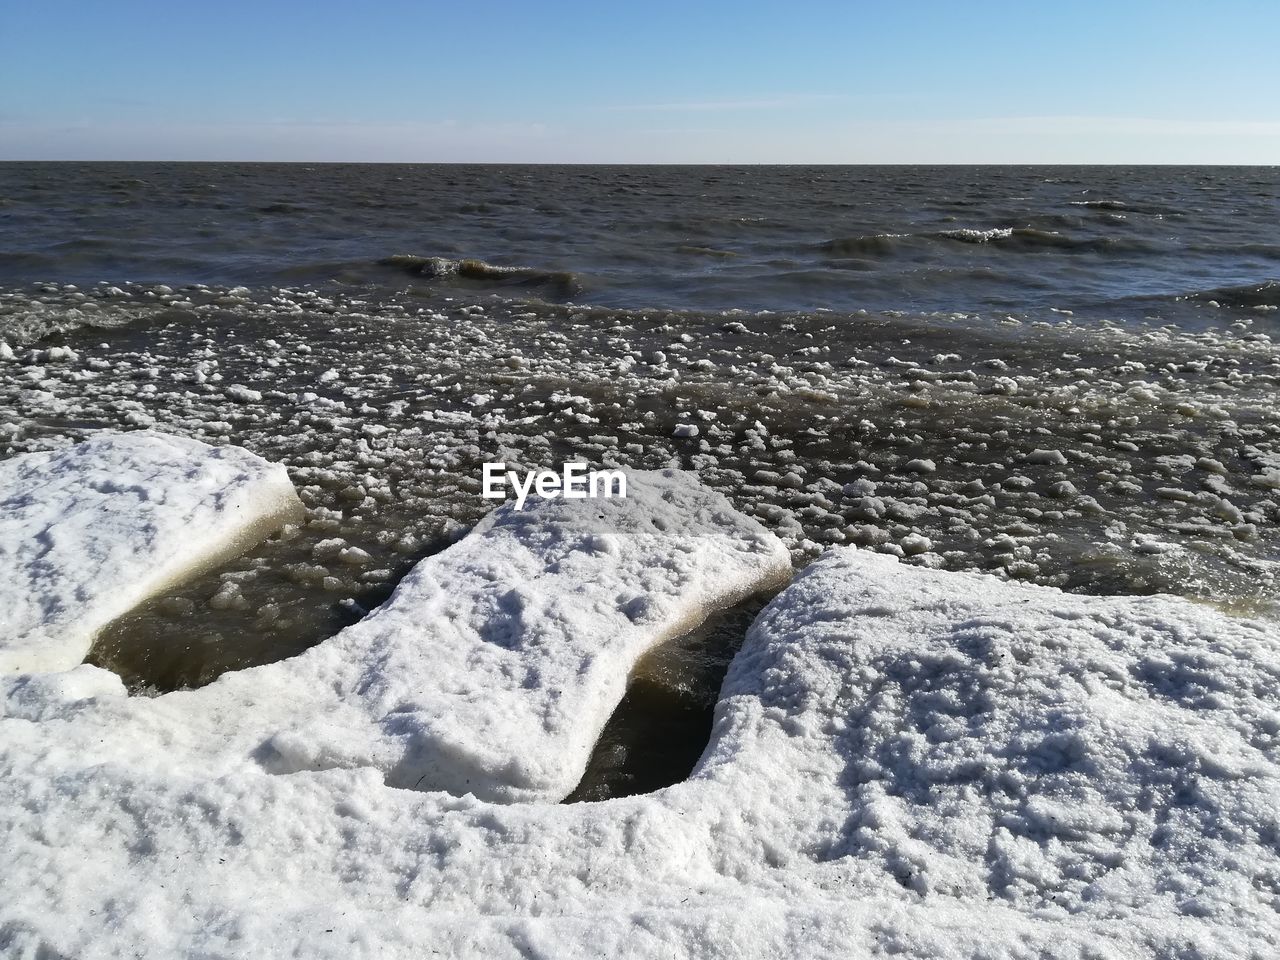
{"x": 837, "y": 82}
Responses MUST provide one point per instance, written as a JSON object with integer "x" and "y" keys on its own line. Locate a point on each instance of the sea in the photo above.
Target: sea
{"x": 1136, "y": 243}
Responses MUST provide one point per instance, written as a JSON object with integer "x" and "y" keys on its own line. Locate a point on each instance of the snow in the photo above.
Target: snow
{"x": 1051, "y": 457}
{"x": 531, "y": 626}
{"x": 89, "y": 532}
{"x": 1074, "y": 757}
{"x": 904, "y": 762}
{"x": 496, "y": 663}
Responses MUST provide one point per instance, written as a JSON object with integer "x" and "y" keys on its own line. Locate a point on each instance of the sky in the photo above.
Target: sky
{"x": 913, "y": 81}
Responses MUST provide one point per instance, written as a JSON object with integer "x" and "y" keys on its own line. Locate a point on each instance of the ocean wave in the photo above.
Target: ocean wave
{"x": 1025, "y": 239}
{"x": 1101, "y": 204}
{"x": 1030, "y": 239}
{"x": 1241, "y": 297}
{"x": 972, "y": 235}
{"x": 559, "y": 283}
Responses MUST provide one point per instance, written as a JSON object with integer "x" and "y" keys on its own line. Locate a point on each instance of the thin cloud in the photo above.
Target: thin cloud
{"x": 695, "y": 106}
{"x": 1143, "y": 126}
{"x": 298, "y": 140}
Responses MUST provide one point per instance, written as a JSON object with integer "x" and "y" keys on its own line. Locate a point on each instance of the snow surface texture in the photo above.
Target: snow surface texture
{"x": 905, "y": 762}
{"x": 495, "y": 664}
{"x": 89, "y": 532}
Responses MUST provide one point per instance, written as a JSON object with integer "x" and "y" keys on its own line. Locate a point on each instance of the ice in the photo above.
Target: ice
{"x": 904, "y": 762}
{"x": 495, "y": 664}
{"x": 976, "y": 740}
{"x": 89, "y": 532}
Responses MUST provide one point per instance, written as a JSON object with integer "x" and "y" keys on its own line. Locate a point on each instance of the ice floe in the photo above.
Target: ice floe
{"x": 1081, "y": 758}
{"x": 88, "y": 532}
{"x": 904, "y": 761}
{"x": 494, "y": 665}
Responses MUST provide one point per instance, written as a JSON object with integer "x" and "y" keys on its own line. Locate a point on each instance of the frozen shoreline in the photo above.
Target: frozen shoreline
{"x": 903, "y": 760}
{"x": 491, "y": 670}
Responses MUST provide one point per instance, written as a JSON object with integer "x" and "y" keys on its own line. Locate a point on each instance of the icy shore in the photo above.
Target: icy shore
{"x": 905, "y": 761}
{"x": 495, "y": 665}
{"x": 89, "y": 532}
{"x": 490, "y": 671}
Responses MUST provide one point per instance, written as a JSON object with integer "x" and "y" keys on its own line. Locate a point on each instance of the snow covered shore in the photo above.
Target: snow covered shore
{"x": 89, "y": 532}
{"x": 491, "y": 670}
{"x": 904, "y": 761}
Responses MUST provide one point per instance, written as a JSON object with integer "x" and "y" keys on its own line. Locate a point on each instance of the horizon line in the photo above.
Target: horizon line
{"x": 649, "y": 163}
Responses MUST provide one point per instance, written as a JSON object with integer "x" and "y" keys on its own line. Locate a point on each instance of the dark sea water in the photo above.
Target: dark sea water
{"x": 1117, "y": 242}
{"x": 1060, "y": 375}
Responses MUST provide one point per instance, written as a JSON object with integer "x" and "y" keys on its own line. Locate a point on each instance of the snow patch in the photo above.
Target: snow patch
{"x": 89, "y": 532}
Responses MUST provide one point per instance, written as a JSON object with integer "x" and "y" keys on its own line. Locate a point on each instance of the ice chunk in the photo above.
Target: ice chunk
{"x": 89, "y": 532}
{"x": 495, "y": 665}
{"x": 1054, "y": 458}
{"x": 978, "y": 739}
